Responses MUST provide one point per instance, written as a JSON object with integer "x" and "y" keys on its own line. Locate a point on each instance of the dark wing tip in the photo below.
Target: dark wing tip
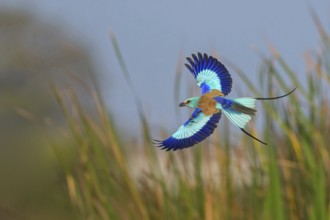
{"x": 200, "y": 56}
{"x": 194, "y": 57}
{"x": 157, "y": 143}
{"x": 190, "y": 61}
{"x": 189, "y": 68}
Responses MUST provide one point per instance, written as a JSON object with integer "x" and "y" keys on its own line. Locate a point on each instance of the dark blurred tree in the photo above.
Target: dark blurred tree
{"x": 32, "y": 53}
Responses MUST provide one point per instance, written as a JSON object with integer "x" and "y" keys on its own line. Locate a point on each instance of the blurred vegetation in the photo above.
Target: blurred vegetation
{"x": 221, "y": 178}
{"x": 32, "y": 53}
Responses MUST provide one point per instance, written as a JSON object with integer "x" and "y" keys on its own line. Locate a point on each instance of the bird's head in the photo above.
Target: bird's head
{"x": 190, "y": 102}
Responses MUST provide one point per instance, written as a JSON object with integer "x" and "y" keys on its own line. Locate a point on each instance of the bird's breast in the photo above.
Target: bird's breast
{"x": 207, "y": 105}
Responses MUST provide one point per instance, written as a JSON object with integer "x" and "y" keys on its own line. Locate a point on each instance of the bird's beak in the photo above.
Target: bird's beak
{"x": 182, "y": 104}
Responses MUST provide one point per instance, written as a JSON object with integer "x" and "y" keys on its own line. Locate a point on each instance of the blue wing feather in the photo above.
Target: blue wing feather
{"x": 209, "y": 73}
{"x": 194, "y": 130}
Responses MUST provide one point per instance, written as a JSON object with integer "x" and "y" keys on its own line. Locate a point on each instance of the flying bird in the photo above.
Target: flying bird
{"x": 215, "y": 81}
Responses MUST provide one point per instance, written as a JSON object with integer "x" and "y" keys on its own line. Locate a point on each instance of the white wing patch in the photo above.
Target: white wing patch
{"x": 210, "y": 78}
{"x": 195, "y": 125}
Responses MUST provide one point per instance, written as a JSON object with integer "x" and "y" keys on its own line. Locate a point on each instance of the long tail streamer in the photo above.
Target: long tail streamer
{"x": 265, "y": 99}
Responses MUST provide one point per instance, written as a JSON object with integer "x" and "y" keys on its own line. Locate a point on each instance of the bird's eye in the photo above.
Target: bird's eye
{"x": 187, "y": 101}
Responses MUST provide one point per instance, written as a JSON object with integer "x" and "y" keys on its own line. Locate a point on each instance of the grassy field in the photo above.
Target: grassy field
{"x": 221, "y": 178}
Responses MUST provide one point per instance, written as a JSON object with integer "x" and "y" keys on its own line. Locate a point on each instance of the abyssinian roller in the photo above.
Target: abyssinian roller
{"x": 215, "y": 81}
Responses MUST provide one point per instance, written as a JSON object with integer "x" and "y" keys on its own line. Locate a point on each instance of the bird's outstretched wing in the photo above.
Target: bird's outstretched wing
{"x": 209, "y": 73}
{"x": 196, "y": 129}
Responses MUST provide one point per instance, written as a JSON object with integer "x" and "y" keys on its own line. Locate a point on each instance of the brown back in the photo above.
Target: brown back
{"x": 207, "y": 104}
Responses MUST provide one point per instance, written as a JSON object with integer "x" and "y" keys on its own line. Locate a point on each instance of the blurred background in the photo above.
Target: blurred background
{"x": 85, "y": 85}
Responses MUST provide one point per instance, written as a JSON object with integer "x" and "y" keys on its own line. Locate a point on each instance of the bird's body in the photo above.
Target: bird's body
{"x": 215, "y": 81}
{"x": 206, "y": 103}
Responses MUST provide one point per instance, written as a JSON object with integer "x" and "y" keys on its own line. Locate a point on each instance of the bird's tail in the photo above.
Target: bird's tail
{"x": 240, "y": 110}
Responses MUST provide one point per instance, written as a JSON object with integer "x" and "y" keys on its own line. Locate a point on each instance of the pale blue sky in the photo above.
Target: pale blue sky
{"x": 151, "y": 35}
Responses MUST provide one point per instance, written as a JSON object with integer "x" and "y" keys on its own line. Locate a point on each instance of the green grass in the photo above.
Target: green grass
{"x": 221, "y": 178}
